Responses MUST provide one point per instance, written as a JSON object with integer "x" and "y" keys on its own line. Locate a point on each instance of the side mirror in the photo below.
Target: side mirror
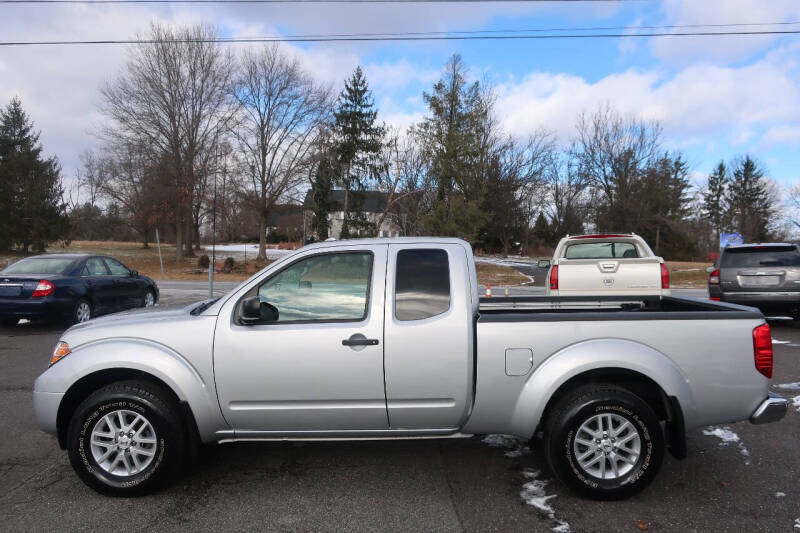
{"x": 710, "y": 269}
{"x": 543, "y": 263}
{"x": 254, "y": 311}
{"x": 134, "y": 273}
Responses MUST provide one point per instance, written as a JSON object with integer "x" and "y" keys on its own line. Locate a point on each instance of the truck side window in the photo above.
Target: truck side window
{"x": 321, "y": 288}
{"x": 422, "y": 284}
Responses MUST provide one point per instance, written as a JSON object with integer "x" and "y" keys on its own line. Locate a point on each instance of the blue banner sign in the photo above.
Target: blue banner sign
{"x": 727, "y": 239}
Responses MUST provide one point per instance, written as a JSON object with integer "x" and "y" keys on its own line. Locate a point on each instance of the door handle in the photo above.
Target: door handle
{"x": 359, "y": 340}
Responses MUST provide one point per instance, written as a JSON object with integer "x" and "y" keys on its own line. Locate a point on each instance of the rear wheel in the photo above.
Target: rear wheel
{"x": 604, "y": 442}
{"x": 126, "y": 439}
{"x": 82, "y": 311}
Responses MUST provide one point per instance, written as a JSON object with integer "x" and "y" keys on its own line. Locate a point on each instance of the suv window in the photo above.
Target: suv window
{"x": 422, "y": 284}
{"x": 95, "y": 267}
{"x": 327, "y": 287}
{"x": 117, "y": 268}
{"x": 601, "y": 250}
{"x": 760, "y": 256}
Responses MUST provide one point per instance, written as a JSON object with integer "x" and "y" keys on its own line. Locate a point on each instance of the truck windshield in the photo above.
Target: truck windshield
{"x": 760, "y": 256}
{"x": 601, "y": 250}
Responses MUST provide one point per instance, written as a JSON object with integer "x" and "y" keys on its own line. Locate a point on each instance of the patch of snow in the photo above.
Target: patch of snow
{"x": 780, "y": 494}
{"x": 249, "y": 249}
{"x": 727, "y": 436}
{"x": 776, "y": 341}
{"x": 516, "y": 447}
{"x": 796, "y": 402}
{"x": 788, "y": 386}
{"x": 797, "y": 523}
{"x": 533, "y": 494}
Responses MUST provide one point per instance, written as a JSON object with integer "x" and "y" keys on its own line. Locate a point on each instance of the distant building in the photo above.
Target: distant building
{"x": 374, "y": 203}
{"x": 286, "y": 220}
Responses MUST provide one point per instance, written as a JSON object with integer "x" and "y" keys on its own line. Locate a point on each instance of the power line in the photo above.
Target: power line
{"x": 401, "y": 37}
{"x": 303, "y": 1}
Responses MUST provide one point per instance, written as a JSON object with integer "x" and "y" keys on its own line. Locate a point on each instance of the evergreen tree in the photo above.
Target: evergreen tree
{"x": 321, "y": 193}
{"x": 714, "y": 208}
{"x": 32, "y": 213}
{"x": 542, "y": 231}
{"x": 456, "y": 137}
{"x": 750, "y": 205}
{"x": 358, "y": 144}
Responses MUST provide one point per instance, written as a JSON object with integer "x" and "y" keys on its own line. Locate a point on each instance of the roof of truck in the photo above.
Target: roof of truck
{"x": 387, "y": 240}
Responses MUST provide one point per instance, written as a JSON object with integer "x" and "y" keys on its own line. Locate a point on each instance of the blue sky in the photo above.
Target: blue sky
{"x": 717, "y": 97}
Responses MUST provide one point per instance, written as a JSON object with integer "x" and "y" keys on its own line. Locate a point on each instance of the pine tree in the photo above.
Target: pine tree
{"x": 32, "y": 213}
{"x": 358, "y": 143}
{"x": 714, "y": 208}
{"x": 321, "y": 193}
{"x": 542, "y": 231}
{"x": 750, "y": 204}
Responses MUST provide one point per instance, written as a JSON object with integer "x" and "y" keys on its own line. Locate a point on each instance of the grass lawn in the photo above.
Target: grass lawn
{"x": 688, "y": 275}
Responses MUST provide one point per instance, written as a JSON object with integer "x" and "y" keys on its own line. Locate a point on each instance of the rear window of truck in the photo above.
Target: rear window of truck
{"x": 760, "y": 256}
{"x": 422, "y": 284}
{"x": 601, "y": 250}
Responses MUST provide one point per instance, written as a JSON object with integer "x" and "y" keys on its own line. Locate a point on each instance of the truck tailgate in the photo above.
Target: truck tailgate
{"x": 614, "y": 276}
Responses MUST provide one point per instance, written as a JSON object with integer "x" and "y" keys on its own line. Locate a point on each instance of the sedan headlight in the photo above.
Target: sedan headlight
{"x": 60, "y": 352}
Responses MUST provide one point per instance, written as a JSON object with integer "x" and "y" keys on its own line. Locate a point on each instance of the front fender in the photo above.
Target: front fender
{"x": 146, "y": 356}
{"x": 593, "y": 355}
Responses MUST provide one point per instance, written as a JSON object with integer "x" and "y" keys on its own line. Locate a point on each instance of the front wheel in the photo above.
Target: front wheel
{"x": 149, "y": 299}
{"x": 604, "y": 442}
{"x": 126, "y": 439}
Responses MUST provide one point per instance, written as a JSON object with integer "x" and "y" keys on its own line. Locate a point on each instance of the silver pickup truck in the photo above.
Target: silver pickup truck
{"x": 373, "y": 339}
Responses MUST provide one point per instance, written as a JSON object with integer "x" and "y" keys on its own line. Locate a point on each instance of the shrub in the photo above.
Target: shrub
{"x": 203, "y": 261}
{"x": 228, "y": 265}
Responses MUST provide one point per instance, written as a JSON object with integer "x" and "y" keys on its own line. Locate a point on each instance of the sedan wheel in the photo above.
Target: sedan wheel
{"x": 83, "y": 311}
{"x": 149, "y": 299}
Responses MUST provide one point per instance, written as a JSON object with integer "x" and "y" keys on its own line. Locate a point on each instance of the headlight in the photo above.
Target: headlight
{"x": 60, "y": 352}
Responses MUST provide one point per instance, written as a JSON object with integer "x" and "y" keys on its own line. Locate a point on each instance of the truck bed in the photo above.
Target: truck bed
{"x": 573, "y": 308}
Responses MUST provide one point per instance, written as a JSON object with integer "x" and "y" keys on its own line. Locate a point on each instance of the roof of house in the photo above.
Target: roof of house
{"x": 285, "y": 215}
{"x": 374, "y": 201}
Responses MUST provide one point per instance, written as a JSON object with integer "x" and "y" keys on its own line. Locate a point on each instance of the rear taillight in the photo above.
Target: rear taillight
{"x": 554, "y": 278}
{"x": 43, "y": 289}
{"x": 713, "y": 278}
{"x": 715, "y": 298}
{"x": 762, "y": 349}
{"x": 664, "y": 276}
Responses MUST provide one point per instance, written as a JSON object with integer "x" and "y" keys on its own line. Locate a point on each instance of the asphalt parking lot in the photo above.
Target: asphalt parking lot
{"x": 452, "y": 484}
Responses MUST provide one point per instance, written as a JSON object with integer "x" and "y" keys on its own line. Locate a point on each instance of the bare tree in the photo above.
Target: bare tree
{"x": 173, "y": 96}
{"x": 280, "y": 109}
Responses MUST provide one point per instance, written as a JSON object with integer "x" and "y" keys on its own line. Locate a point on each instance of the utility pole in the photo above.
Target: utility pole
{"x": 213, "y": 227}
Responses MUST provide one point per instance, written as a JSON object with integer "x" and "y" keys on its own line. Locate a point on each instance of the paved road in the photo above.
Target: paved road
{"x": 447, "y": 485}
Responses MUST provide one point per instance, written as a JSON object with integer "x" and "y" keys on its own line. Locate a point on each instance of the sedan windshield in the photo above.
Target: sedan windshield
{"x": 39, "y": 265}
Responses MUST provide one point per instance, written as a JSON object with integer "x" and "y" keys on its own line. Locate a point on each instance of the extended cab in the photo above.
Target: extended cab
{"x": 370, "y": 339}
{"x": 606, "y": 264}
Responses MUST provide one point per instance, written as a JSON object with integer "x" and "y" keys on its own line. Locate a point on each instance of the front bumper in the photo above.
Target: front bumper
{"x": 45, "y": 408}
{"x": 772, "y": 409}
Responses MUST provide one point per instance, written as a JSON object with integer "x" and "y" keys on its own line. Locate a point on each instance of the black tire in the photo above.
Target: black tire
{"x": 73, "y": 318}
{"x": 158, "y": 408}
{"x": 562, "y": 429}
{"x": 9, "y": 322}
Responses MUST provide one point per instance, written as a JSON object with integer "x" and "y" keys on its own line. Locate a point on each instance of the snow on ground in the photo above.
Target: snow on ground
{"x": 515, "y": 447}
{"x": 780, "y": 494}
{"x": 788, "y": 386}
{"x": 797, "y": 523}
{"x": 249, "y": 249}
{"x": 533, "y": 494}
{"x": 796, "y": 402}
{"x": 727, "y": 436}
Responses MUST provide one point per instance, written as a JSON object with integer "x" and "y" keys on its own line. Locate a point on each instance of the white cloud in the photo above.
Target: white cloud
{"x": 728, "y": 49}
{"x": 699, "y": 104}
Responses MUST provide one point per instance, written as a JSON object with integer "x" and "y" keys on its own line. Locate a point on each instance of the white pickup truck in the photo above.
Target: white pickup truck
{"x": 387, "y": 338}
{"x": 606, "y": 264}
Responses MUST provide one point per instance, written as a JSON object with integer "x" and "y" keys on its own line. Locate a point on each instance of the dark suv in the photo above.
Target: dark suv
{"x": 766, "y": 276}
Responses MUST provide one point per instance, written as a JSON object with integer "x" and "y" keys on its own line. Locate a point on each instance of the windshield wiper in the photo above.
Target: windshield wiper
{"x": 203, "y": 306}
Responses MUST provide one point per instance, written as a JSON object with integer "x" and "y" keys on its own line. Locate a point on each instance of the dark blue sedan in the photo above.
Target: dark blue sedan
{"x": 71, "y": 288}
